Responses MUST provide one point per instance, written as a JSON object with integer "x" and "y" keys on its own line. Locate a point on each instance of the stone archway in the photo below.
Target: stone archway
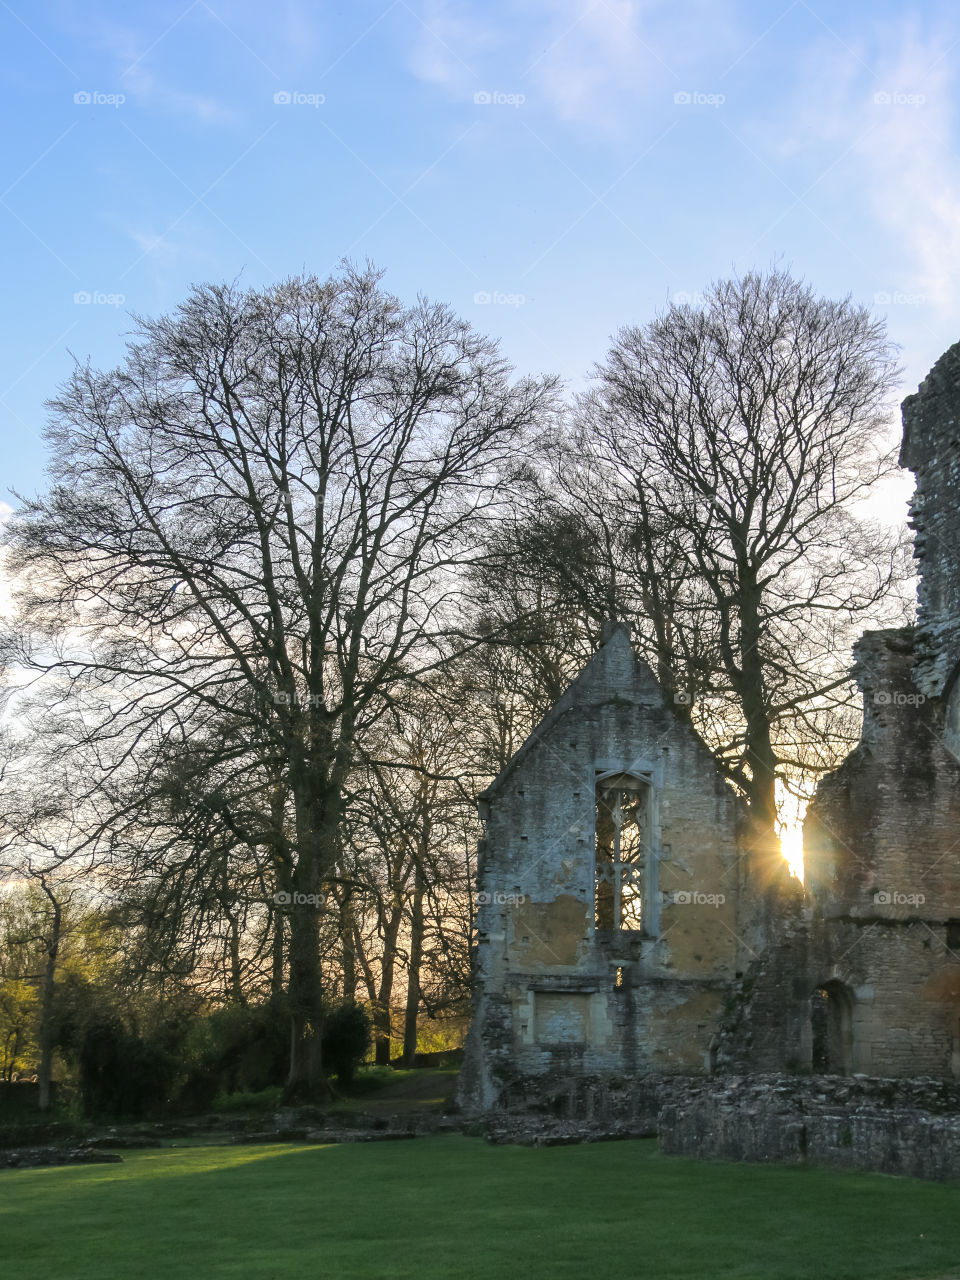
{"x": 831, "y": 1029}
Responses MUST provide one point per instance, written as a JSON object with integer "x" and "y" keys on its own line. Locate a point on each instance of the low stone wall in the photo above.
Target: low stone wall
{"x": 908, "y": 1127}
{"x": 581, "y": 1105}
{"x": 38, "y": 1157}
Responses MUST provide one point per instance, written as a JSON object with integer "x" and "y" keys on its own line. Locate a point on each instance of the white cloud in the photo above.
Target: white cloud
{"x": 155, "y": 243}
{"x": 133, "y": 51}
{"x": 588, "y": 61}
{"x": 593, "y": 54}
{"x": 888, "y": 103}
{"x": 450, "y": 44}
{"x": 150, "y": 90}
{"x": 300, "y": 27}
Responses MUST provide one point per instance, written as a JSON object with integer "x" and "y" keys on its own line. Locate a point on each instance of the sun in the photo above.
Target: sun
{"x": 791, "y": 846}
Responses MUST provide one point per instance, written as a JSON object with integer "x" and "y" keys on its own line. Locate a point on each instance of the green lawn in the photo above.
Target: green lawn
{"x": 450, "y": 1207}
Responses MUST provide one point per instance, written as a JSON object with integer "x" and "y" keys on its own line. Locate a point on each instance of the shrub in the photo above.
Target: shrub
{"x": 346, "y": 1040}
{"x": 234, "y": 1050}
{"x": 120, "y": 1074}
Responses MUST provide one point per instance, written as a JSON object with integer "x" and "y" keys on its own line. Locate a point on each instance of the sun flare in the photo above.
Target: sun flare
{"x": 791, "y": 846}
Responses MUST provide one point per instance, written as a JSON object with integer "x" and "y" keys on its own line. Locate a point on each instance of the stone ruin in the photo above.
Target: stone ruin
{"x": 636, "y": 971}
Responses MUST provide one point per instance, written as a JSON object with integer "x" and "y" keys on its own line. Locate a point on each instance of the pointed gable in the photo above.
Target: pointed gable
{"x": 614, "y": 674}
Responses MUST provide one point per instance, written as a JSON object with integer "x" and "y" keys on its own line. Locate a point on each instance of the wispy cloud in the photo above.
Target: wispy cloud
{"x": 886, "y": 106}
{"x": 587, "y": 61}
{"x": 602, "y": 61}
{"x": 450, "y": 44}
{"x": 135, "y": 55}
{"x": 589, "y": 56}
{"x": 151, "y": 90}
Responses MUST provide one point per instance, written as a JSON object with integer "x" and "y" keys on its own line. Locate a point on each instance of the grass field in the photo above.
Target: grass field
{"x": 449, "y": 1207}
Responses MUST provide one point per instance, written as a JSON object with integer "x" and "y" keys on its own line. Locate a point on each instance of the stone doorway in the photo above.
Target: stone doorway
{"x": 831, "y": 1029}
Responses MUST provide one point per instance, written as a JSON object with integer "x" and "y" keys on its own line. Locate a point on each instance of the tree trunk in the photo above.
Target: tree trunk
{"x": 282, "y": 884}
{"x": 45, "y": 1074}
{"x": 236, "y": 968}
{"x": 277, "y": 956}
{"x": 305, "y": 1079}
{"x": 347, "y": 946}
{"x": 761, "y": 757}
{"x": 306, "y": 1010}
{"x": 413, "y": 973}
{"x": 382, "y": 1008}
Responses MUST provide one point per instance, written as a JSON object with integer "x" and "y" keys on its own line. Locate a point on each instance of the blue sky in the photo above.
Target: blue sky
{"x": 577, "y": 164}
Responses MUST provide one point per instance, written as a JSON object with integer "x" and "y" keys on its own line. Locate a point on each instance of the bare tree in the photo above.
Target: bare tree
{"x": 43, "y": 849}
{"x": 709, "y": 489}
{"x": 269, "y": 508}
{"x": 737, "y": 441}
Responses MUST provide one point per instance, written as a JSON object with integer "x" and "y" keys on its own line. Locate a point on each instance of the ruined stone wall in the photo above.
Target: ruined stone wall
{"x": 899, "y": 982}
{"x": 555, "y": 995}
{"x": 884, "y": 869}
{"x": 881, "y": 928}
{"x": 886, "y": 822}
{"x": 931, "y": 449}
{"x": 910, "y": 1128}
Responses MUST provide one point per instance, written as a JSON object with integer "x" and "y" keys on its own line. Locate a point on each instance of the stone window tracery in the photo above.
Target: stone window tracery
{"x": 622, "y": 841}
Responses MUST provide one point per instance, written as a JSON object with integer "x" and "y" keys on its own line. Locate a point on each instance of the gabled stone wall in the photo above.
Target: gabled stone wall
{"x": 555, "y": 994}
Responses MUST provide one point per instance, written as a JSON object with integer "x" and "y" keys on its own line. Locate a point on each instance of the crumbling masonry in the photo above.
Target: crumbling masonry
{"x": 623, "y": 936}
